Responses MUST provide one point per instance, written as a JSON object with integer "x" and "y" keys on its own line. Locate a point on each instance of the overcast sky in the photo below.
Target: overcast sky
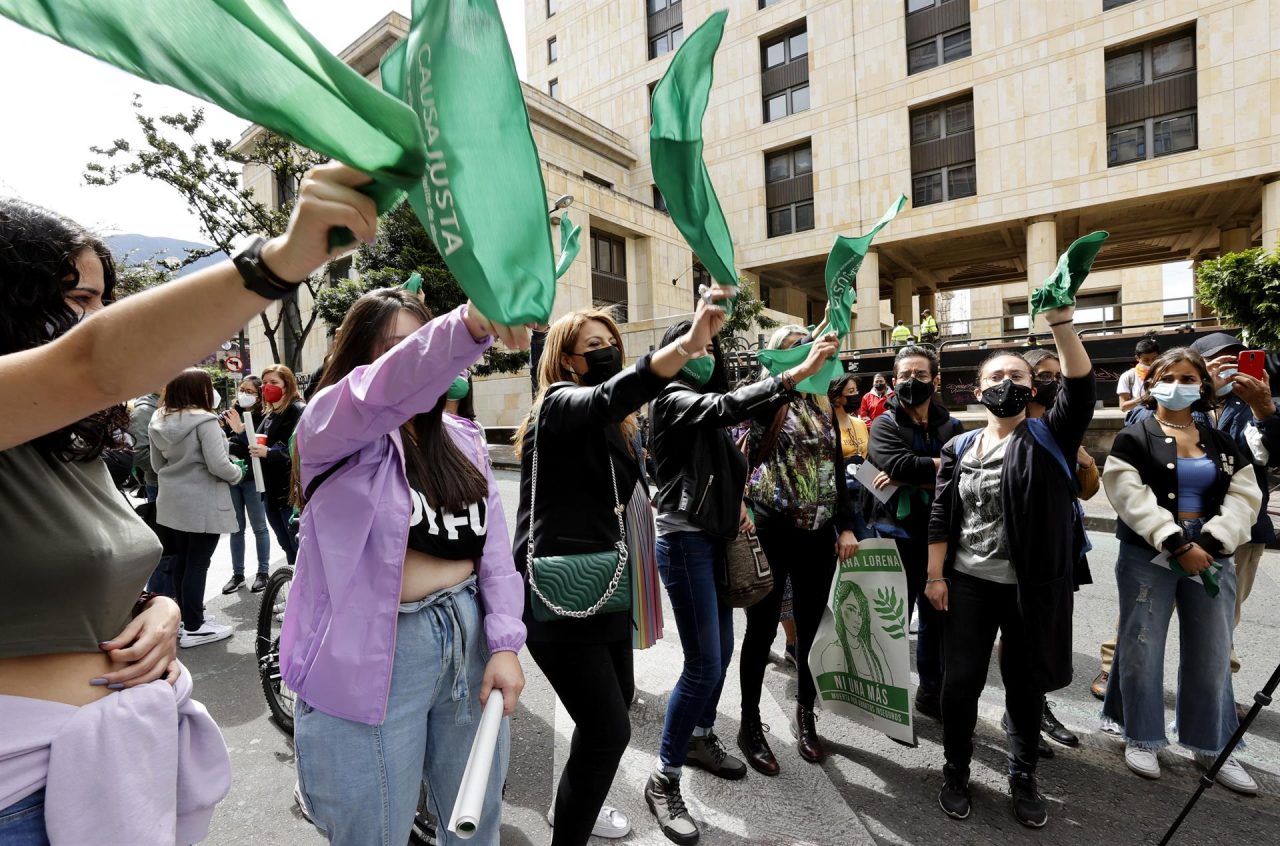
{"x": 58, "y": 102}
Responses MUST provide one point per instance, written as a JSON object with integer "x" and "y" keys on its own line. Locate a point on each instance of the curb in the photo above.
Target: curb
{"x": 1106, "y": 525}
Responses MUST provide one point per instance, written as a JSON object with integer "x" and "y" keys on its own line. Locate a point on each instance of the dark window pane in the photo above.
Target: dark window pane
{"x": 1175, "y": 134}
{"x": 677, "y": 37}
{"x": 780, "y": 221}
{"x": 775, "y": 107}
{"x": 1173, "y": 56}
{"x": 553, "y": 88}
{"x": 918, "y": 5}
{"x": 1111, "y": 4}
{"x": 804, "y": 217}
{"x": 658, "y": 46}
{"x": 599, "y": 255}
{"x": 656, "y": 6}
{"x": 552, "y": 7}
{"x": 962, "y": 182}
{"x": 619, "y": 257}
{"x": 922, "y": 56}
{"x": 926, "y": 126}
{"x": 777, "y": 166}
{"x": 960, "y": 118}
{"x": 1123, "y": 71}
{"x": 659, "y": 202}
{"x": 775, "y": 54}
{"x": 955, "y": 46}
{"x": 800, "y": 99}
{"x": 1126, "y": 145}
{"x": 926, "y": 189}
{"x": 803, "y": 160}
{"x": 799, "y": 44}
{"x": 553, "y": 50}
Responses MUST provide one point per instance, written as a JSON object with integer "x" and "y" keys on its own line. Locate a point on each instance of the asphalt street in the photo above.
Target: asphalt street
{"x": 869, "y": 790}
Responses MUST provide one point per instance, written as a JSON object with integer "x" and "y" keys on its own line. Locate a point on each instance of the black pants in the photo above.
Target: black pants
{"x": 596, "y": 683}
{"x": 976, "y": 609}
{"x": 915, "y": 561}
{"x": 190, "y": 567}
{"x": 809, "y": 557}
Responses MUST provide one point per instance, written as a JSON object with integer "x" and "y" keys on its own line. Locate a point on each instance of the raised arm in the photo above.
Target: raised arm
{"x": 1069, "y": 416}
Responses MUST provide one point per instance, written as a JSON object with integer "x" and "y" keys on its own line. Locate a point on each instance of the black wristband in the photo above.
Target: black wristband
{"x": 257, "y": 276}
{"x": 1063, "y": 322}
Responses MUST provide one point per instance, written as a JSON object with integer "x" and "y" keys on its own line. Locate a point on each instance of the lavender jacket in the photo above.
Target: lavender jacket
{"x": 339, "y": 636}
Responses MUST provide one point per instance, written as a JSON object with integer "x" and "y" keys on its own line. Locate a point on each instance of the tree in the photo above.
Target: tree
{"x": 206, "y": 173}
{"x": 401, "y": 249}
{"x": 1244, "y": 289}
{"x": 134, "y": 277}
{"x": 748, "y": 316}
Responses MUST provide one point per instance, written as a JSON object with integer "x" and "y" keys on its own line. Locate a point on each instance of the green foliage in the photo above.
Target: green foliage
{"x": 1244, "y": 290}
{"x": 747, "y": 319}
{"x": 890, "y": 609}
{"x": 134, "y": 277}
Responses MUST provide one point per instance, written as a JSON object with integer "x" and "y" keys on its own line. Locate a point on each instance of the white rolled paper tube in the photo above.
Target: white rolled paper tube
{"x": 475, "y": 779}
{"x": 258, "y": 482}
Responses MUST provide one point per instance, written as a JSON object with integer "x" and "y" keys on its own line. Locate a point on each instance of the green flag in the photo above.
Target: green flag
{"x": 482, "y": 199}
{"x": 253, "y": 59}
{"x": 779, "y": 361}
{"x": 842, "y": 270}
{"x": 675, "y": 148}
{"x": 569, "y": 246}
{"x": 414, "y": 283}
{"x": 1073, "y": 267}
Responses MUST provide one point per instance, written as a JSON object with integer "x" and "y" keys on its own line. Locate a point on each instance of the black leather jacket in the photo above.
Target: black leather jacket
{"x": 701, "y": 472}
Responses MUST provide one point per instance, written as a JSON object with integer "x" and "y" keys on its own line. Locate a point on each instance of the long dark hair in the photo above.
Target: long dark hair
{"x": 1208, "y": 399}
{"x": 451, "y": 482}
{"x": 190, "y": 390}
{"x": 719, "y": 381}
{"x": 38, "y": 251}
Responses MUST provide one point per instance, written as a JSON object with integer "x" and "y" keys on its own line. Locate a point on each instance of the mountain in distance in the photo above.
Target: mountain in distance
{"x": 135, "y": 249}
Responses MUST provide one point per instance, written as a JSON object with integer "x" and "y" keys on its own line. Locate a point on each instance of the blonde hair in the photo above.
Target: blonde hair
{"x": 290, "y": 383}
{"x": 562, "y": 337}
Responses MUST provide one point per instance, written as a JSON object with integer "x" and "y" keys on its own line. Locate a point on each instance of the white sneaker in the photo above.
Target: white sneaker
{"x": 610, "y": 823}
{"x": 302, "y": 801}
{"x": 1232, "y": 776}
{"x": 1144, "y": 762}
{"x": 208, "y": 633}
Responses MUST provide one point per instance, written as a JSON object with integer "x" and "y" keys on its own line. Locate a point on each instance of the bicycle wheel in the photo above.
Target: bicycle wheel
{"x": 280, "y": 698}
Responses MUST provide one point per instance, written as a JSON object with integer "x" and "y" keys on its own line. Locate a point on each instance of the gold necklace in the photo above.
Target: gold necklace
{"x": 1164, "y": 422}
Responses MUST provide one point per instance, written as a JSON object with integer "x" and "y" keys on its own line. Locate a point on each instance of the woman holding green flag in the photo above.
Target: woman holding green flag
{"x": 579, "y": 469}
{"x": 76, "y": 631}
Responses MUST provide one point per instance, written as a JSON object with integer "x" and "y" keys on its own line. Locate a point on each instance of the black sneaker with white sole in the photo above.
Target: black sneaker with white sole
{"x": 662, "y": 794}
{"x": 1028, "y": 805}
{"x": 954, "y": 796}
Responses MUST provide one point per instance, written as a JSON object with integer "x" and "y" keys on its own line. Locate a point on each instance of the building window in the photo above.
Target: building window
{"x": 764, "y": 4}
{"x": 659, "y": 202}
{"x": 553, "y": 6}
{"x": 609, "y": 272}
{"x": 788, "y": 176}
{"x": 553, "y": 88}
{"x": 1098, "y": 309}
{"x": 937, "y": 33}
{"x": 666, "y": 26}
{"x": 598, "y": 180}
{"x": 1111, "y": 4}
{"x": 784, "y": 70}
{"x": 942, "y": 152}
{"x": 553, "y": 50}
{"x": 1151, "y": 99}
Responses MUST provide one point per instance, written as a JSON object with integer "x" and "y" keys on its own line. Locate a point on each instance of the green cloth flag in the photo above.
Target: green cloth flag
{"x": 253, "y": 59}
{"x": 779, "y": 361}
{"x": 569, "y": 244}
{"x": 675, "y": 149}
{"x": 482, "y": 199}
{"x": 842, "y": 270}
{"x": 1073, "y": 267}
{"x": 414, "y": 283}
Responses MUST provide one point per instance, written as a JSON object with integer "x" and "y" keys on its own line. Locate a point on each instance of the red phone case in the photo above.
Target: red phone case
{"x": 1251, "y": 363}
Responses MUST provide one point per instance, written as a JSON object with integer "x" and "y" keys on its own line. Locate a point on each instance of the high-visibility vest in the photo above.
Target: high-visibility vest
{"x": 900, "y": 333}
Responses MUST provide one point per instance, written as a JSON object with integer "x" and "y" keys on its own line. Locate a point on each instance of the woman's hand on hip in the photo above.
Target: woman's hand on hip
{"x": 846, "y": 546}
{"x": 1195, "y": 560}
{"x": 937, "y": 594}
{"x": 327, "y": 198}
{"x": 148, "y": 645}
{"x": 504, "y": 674}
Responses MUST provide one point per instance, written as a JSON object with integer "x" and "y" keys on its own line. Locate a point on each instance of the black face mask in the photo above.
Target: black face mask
{"x": 1006, "y": 399}
{"x": 1046, "y": 392}
{"x": 913, "y": 392}
{"x": 880, "y": 389}
{"x": 851, "y": 404}
{"x": 602, "y": 365}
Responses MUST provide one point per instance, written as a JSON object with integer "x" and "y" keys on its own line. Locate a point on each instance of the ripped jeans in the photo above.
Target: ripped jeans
{"x": 1205, "y": 710}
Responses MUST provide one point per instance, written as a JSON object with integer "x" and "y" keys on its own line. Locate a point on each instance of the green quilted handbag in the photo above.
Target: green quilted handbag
{"x": 583, "y": 585}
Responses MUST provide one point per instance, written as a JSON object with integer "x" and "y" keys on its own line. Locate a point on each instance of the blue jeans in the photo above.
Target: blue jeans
{"x": 362, "y": 782}
{"x": 1205, "y": 709}
{"x": 279, "y": 520}
{"x": 245, "y": 497}
{"x": 686, "y": 562}
{"x": 22, "y": 823}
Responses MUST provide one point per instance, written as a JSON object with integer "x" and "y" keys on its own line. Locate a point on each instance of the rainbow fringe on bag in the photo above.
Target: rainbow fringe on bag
{"x": 646, "y": 589}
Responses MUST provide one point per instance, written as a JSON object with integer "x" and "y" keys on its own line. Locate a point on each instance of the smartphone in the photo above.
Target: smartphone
{"x": 1252, "y": 364}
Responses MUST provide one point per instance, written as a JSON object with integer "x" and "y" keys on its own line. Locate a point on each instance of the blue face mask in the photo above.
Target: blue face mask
{"x": 1175, "y": 397}
{"x": 1226, "y": 374}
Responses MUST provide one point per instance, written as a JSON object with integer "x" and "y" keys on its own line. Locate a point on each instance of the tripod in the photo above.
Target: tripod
{"x": 1260, "y": 699}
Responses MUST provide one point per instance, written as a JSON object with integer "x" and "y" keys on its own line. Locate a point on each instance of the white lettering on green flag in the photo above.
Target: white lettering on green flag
{"x": 860, "y": 659}
{"x": 1073, "y": 267}
{"x": 842, "y": 270}
{"x": 482, "y": 198}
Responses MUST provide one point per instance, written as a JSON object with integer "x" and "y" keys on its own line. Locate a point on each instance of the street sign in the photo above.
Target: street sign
{"x": 232, "y": 364}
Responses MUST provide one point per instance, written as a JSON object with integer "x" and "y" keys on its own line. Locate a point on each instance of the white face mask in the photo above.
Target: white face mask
{"x": 246, "y": 400}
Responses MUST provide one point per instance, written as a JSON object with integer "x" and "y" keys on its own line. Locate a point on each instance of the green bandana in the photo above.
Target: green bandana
{"x": 778, "y": 362}
{"x": 905, "y": 495}
{"x": 699, "y": 370}
{"x": 1073, "y": 267}
{"x": 842, "y": 270}
{"x": 458, "y": 390}
{"x": 569, "y": 245}
{"x": 413, "y": 284}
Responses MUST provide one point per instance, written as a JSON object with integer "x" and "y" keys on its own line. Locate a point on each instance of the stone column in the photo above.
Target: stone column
{"x": 901, "y": 302}
{"x": 1271, "y": 212}
{"x": 867, "y": 313}
{"x": 1042, "y": 250}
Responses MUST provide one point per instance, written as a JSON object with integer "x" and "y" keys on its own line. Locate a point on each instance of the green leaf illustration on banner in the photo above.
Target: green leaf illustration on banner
{"x": 414, "y": 283}
{"x": 890, "y": 609}
{"x": 569, "y": 244}
{"x": 842, "y": 270}
{"x": 482, "y": 199}
{"x": 675, "y": 148}
{"x": 253, "y": 59}
{"x": 779, "y": 361}
{"x": 1073, "y": 267}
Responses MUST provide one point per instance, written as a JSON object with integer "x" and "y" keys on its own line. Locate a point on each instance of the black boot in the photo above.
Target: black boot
{"x": 806, "y": 735}
{"x": 1057, "y": 731}
{"x": 752, "y": 742}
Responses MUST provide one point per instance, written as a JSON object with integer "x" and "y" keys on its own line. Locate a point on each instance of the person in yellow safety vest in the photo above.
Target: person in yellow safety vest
{"x": 901, "y": 334}
{"x": 928, "y": 327}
